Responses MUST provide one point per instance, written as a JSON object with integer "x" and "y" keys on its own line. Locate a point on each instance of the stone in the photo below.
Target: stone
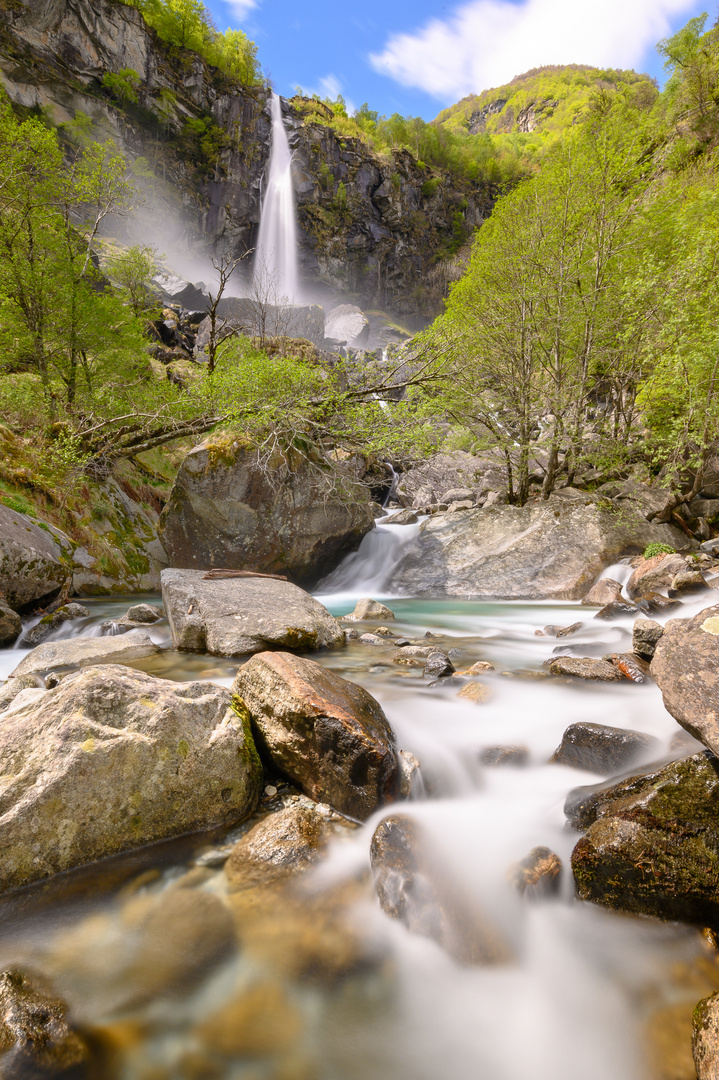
{"x": 144, "y": 613}
{"x": 686, "y": 668}
{"x": 36, "y": 1039}
{"x": 411, "y": 784}
{"x": 425, "y": 484}
{"x": 415, "y": 652}
{"x": 80, "y": 652}
{"x": 10, "y": 625}
{"x": 537, "y": 874}
{"x": 367, "y": 609}
{"x": 617, "y": 610}
{"x": 347, "y": 324}
{"x": 112, "y": 759}
{"x": 458, "y": 495}
{"x": 10, "y": 689}
{"x": 464, "y": 504}
{"x": 475, "y": 692}
{"x": 239, "y": 616}
{"x": 705, "y": 1038}
{"x": 52, "y": 622}
{"x": 23, "y": 698}
{"x": 493, "y": 756}
{"x": 326, "y": 734}
{"x": 385, "y": 632}
{"x": 655, "y": 574}
{"x": 645, "y": 635}
{"x": 585, "y": 668}
{"x": 633, "y": 667}
{"x": 230, "y": 509}
{"x": 280, "y": 844}
{"x": 414, "y": 885}
{"x": 477, "y": 669}
{"x": 652, "y": 847}
{"x": 371, "y": 639}
{"x": 546, "y": 550}
{"x": 688, "y": 581}
{"x": 34, "y": 564}
{"x": 178, "y": 291}
{"x": 603, "y": 592}
{"x": 402, "y": 517}
{"x": 559, "y": 631}
{"x": 656, "y": 601}
{"x": 711, "y": 547}
{"x": 602, "y": 749}
{"x": 438, "y": 665}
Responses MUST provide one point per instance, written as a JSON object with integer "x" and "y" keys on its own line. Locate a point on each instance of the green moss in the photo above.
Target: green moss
{"x": 658, "y": 549}
{"x": 183, "y": 748}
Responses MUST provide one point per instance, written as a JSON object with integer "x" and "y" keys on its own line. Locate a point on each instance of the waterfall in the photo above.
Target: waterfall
{"x": 275, "y": 272}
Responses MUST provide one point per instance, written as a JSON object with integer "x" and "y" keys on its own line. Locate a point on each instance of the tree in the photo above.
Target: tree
{"x": 692, "y": 60}
{"x": 123, "y": 85}
{"x": 133, "y": 271}
{"x": 220, "y": 329}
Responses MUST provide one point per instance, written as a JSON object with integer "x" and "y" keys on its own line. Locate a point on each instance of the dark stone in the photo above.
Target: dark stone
{"x": 616, "y": 610}
{"x": 438, "y": 665}
{"x": 50, "y": 623}
{"x": 601, "y": 749}
{"x": 538, "y": 873}
{"x": 36, "y": 1040}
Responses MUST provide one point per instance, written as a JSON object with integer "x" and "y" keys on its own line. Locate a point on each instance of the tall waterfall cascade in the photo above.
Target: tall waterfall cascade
{"x": 275, "y": 269}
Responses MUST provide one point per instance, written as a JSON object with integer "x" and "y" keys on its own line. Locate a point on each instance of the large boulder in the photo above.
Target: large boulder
{"x": 82, "y": 652}
{"x": 652, "y": 845}
{"x": 428, "y": 482}
{"x": 654, "y": 574}
{"x": 10, "y": 624}
{"x": 231, "y": 509}
{"x": 238, "y": 616}
{"x": 327, "y": 734}
{"x": 544, "y": 550}
{"x": 49, "y": 624}
{"x": 349, "y": 325}
{"x": 602, "y": 749}
{"x": 34, "y": 564}
{"x": 112, "y": 759}
{"x": 36, "y": 1039}
{"x": 686, "y": 668}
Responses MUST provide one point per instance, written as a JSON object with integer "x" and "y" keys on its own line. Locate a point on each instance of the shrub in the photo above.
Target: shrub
{"x": 658, "y": 549}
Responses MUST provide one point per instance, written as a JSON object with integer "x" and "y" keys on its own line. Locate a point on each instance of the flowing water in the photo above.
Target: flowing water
{"x": 324, "y": 986}
{"x": 275, "y": 267}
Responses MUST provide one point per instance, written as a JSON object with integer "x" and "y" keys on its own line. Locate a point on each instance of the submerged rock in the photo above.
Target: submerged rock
{"x": 36, "y": 1039}
{"x": 686, "y": 668}
{"x": 238, "y": 616}
{"x": 80, "y": 652}
{"x": 10, "y": 625}
{"x": 366, "y": 609}
{"x": 705, "y": 1038}
{"x": 538, "y": 873}
{"x": 602, "y": 749}
{"x": 50, "y": 623}
{"x": 112, "y": 759}
{"x": 493, "y": 756}
{"x": 585, "y": 667}
{"x": 326, "y": 734}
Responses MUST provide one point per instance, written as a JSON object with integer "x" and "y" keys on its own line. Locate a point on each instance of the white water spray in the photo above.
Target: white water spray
{"x": 276, "y": 259}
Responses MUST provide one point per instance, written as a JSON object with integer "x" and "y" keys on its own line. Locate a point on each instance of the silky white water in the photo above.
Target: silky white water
{"x": 275, "y": 266}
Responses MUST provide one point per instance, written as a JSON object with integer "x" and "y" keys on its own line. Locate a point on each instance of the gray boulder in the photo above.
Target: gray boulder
{"x": 238, "y": 616}
{"x": 548, "y": 550}
{"x": 112, "y": 759}
{"x": 230, "y": 509}
{"x": 82, "y": 652}
{"x": 326, "y": 734}
{"x": 52, "y": 622}
{"x": 366, "y": 610}
{"x": 10, "y": 625}
{"x": 686, "y": 668}
{"x": 34, "y": 564}
{"x": 349, "y": 325}
{"x": 602, "y": 749}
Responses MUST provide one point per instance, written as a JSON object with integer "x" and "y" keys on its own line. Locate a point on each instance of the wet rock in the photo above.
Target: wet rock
{"x": 493, "y": 756}
{"x": 261, "y": 1021}
{"x": 402, "y": 517}
{"x": 326, "y": 734}
{"x": 367, "y": 609}
{"x": 584, "y": 668}
{"x": 83, "y": 652}
{"x": 705, "y": 1038}
{"x": 476, "y": 692}
{"x": 410, "y": 777}
{"x": 352, "y": 635}
{"x": 645, "y": 635}
{"x": 559, "y": 631}
{"x": 616, "y": 610}
{"x": 413, "y": 884}
{"x": 50, "y": 623}
{"x": 538, "y": 873}
{"x": 229, "y": 508}
{"x": 653, "y": 846}
{"x": 632, "y": 667}
{"x": 371, "y": 639}
{"x": 385, "y": 632}
{"x": 605, "y": 591}
{"x": 438, "y": 665}
{"x": 477, "y": 669}
{"x": 655, "y": 574}
{"x": 656, "y": 601}
{"x": 602, "y": 749}
{"x": 238, "y": 616}
{"x": 144, "y": 613}
{"x": 112, "y": 759}
{"x": 281, "y": 843}
{"x": 688, "y": 581}
{"x": 36, "y": 1039}
{"x": 686, "y": 668}
{"x": 682, "y": 743}
{"x": 34, "y": 563}
{"x": 10, "y": 625}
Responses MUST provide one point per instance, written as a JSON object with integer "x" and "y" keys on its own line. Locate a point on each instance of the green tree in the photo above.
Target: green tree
{"x": 132, "y": 271}
{"x": 123, "y": 85}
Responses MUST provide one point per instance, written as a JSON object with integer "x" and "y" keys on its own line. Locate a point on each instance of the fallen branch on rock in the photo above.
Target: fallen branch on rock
{"x": 216, "y": 575}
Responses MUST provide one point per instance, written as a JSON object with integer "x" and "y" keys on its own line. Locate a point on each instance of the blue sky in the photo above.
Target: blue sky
{"x": 415, "y": 58}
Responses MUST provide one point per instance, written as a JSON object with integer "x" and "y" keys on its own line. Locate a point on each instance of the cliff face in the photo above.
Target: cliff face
{"x": 371, "y": 226}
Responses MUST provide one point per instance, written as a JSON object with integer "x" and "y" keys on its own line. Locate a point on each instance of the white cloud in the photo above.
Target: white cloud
{"x": 485, "y": 43}
{"x": 241, "y": 8}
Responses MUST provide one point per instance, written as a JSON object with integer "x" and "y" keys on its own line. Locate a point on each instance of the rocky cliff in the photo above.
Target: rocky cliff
{"x": 371, "y": 225}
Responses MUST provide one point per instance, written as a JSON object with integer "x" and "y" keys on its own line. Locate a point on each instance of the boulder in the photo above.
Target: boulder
{"x": 326, "y": 734}
{"x": 238, "y": 616}
{"x": 280, "y": 844}
{"x": 231, "y": 509}
{"x": 348, "y": 324}
{"x": 426, "y": 484}
{"x": 367, "y": 609}
{"x": 47, "y": 626}
{"x": 605, "y": 591}
{"x": 617, "y": 609}
{"x": 82, "y": 652}
{"x": 10, "y": 689}
{"x": 705, "y": 1038}
{"x": 458, "y": 495}
{"x": 112, "y": 759}
{"x": 176, "y": 290}
{"x": 585, "y": 667}
{"x": 559, "y": 631}
{"x": 438, "y": 665}
{"x": 688, "y": 581}
{"x": 10, "y": 625}
{"x": 414, "y": 885}
{"x": 35, "y": 1037}
{"x": 545, "y": 550}
{"x": 602, "y": 749}
{"x": 645, "y": 636}
{"x": 144, "y": 613}
{"x": 655, "y": 574}
{"x": 538, "y": 874}
{"x": 33, "y": 562}
{"x": 402, "y": 517}
{"x": 686, "y": 668}
{"x": 652, "y": 846}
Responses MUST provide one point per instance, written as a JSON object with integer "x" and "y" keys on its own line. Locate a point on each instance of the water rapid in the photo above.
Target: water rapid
{"x": 275, "y": 267}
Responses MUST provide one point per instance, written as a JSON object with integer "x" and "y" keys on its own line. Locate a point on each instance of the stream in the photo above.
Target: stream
{"x": 325, "y": 986}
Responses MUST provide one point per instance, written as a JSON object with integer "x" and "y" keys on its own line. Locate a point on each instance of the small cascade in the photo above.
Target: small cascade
{"x": 393, "y": 484}
{"x": 275, "y": 270}
{"x": 369, "y": 570}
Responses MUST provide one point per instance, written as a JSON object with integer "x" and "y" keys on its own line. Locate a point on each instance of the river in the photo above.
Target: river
{"x": 585, "y": 993}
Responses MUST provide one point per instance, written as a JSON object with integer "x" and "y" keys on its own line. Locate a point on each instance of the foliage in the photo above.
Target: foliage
{"x": 658, "y": 549}
{"x": 132, "y": 271}
{"x": 123, "y": 85}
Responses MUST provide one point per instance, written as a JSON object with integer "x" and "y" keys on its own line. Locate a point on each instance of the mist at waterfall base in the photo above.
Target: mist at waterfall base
{"x": 583, "y": 987}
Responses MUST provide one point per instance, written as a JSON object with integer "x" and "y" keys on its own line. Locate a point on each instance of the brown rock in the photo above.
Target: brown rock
{"x": 600, "y": 748}
{"x": 367, "y": 609}
{"x": 645, "y": 635}
{"x": 616, "y": 610}
{"x": 686, "y": 668}
{"x": 327, "y": 734}
{"x": 705, "y": 1038}
{"x": 10, "y": 625}
{"x": 585, "y": 668}
{"x": 688, "y": 581}
{"x": 559, "y": 631}
{"x": 281, "y": 843}
{"x": 538, "y": 873}
{"x": 492, "y": 756}
{"x": 605, "y": 591}
{"x": 655, "y": 574}
{"x": 35, "y": 1037}
{"x": 476, "y": 692}
{"x": 477, "y": 669}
